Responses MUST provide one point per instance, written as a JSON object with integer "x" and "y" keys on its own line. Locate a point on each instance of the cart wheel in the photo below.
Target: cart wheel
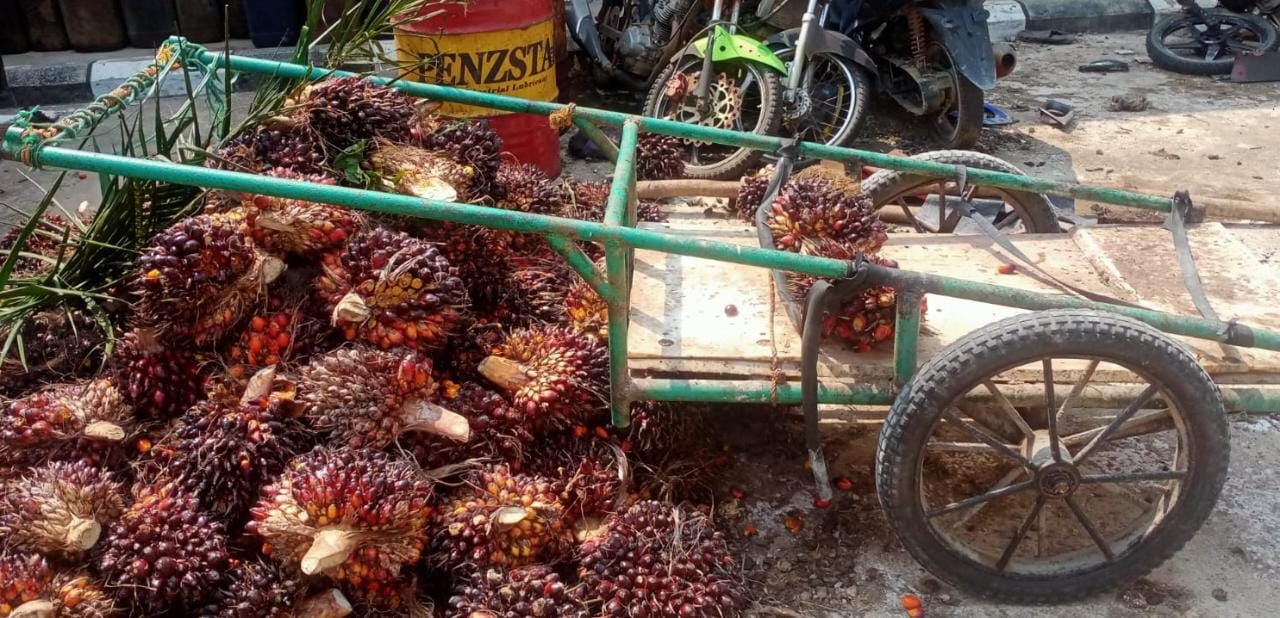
{"x": 1044, "y": 490}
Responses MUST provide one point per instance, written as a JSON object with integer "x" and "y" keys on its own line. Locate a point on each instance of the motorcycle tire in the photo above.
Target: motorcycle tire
{"x": 769, "y": 116}
{"x": 1167, "y": 58}
{"x": 855, "y": 79}
{"x": 963, "y": 131}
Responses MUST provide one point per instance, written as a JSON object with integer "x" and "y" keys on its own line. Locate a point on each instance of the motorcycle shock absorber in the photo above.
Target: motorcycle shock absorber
{"x": 915, "y": 28}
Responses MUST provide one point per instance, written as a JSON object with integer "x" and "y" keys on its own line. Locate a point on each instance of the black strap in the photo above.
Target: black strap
{"x": 1182, "y": 212}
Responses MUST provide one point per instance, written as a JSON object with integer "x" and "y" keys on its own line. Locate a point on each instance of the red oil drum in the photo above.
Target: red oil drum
{"x": 500, "y": 46}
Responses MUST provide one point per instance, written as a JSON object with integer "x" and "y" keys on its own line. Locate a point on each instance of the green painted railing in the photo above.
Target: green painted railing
{"x": 620, "y": 237}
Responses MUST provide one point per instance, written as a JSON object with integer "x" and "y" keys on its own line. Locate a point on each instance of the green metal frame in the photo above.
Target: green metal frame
{"x": 37, "y": 146}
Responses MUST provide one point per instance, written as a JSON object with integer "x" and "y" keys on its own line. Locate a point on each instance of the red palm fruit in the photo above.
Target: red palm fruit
{"x": 527, "y": 188}
{"x": 591, "y": 475}
{"x": 470, "y": 142}
{"x": 659, "y": 559}
{"x": 393, "y": 291}
{"x": 344, "y": 110}
{"x": 659, "y": 157}
{"x": 89, "y": 421}
{"x": 60, "y": 509}
{"x": 496, "y": 431}
{"x": 585, "y": 310}
{"x": 346, "y": 514}
{"x": 459, "y": 362}
{"x": 294, "y": 227}
{"x": 533, "y": 292}
{"x": 377, "y": 597}
{"x": 483, "y": 257}
{"x": 499, "y": 519}
{"x": 367, "y": 398}
{"x": 586, "y": 200}
{"x": 28, "y": 587}
{"x": 527, "y": 592}
{"x": 23, "y": 580}
{"x": 864, "y": 320}
{"x": 165, "y": 552}
{"x": 272, "y": 146}
{"x": 423, "y": 173}
{"x": 554, "y": 375}
{"x": 158, "y": 381}
{"x": 46, "y": 240}
{"x": 224, "y": 449}
{"x": 750, "y": 193}
{"x": 265, "y": 590}
{"x": 77, "y": 595}
{"x": 59, "y": 343}
{"x": 811, "y": 213}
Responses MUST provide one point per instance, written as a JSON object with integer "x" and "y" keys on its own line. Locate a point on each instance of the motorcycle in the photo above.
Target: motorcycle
{"x": 1202, "y": 41}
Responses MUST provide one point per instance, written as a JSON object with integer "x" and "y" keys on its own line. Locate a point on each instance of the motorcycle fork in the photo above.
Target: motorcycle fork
{"x": 704, "y": 76}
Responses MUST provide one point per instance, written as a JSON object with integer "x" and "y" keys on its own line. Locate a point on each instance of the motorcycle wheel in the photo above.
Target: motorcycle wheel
{"x": 746, "y": 97}
{"x": 838, "y": 94}
{"x": 959, "y": 125}
{"x": 1184, "y": 43}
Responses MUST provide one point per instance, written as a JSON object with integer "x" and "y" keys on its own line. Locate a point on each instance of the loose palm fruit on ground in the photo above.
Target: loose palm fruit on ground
{"x": 57, "y": 344}
{"x": 527, "y": 592}
{"x": 527, "y": 188}
{"x": 659, "y": 157}
{"x": 344, "y": 110}
{"x": 363, "y": 397}
{"x": 498, "y": 518}
{"x": 59, "y": 510}
{"x": 158, "y": 381}
{"x": 224, "y": 449}
{"x": 265, "y": 590}
{"x": 393, "y": 290}
{"x": 496, "y": 430}
{"x": 423, "y": 173}
{"x": 87, "y": 421}
{"x": 812, "y": 211}
{"x": 554, "y": 375}
{"x": 165, "y": 552}
{"x": 658, "y": 559}
{"x": 469, "y": 142}
{"x": 345, "y": 513}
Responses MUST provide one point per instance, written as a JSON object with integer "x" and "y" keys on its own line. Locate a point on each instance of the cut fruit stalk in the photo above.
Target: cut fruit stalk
{"x": 83, "y": 533}
{"x": 422, "y": 415}
{"x": 103, "y": 430}
{"x": 329, "y": 549}
{"x": 352, "y": 308}
{"x": 331, "y": 604}
{"x": 506, "y": 373}
{"x": 38, "y": 608}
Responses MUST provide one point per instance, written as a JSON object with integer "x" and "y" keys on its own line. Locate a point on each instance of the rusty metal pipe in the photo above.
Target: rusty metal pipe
{"x": 1005, "y": 57}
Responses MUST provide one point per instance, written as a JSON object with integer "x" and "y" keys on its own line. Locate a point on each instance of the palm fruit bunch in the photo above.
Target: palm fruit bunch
{"x": 499, "y": 518}
{"x": 288, "y": 146}
{"x": 527, "y": 188}
{"x": 345, "y": 110}
{"x": 750, "y": 193}
{"x": 88, "y": 421}
{"x": 527, "y": 592}
{"x": 460, "y": 362}
{"x": 495, "y": 428}
{"x": 469, "y": 142}
{"x": 814, "y": 216}
{"x": 482, "y": 256}
{"x": 424, "y": 173}
{"x": 264, "y": 590}
{"x": 863, "y": 321}
{"x": 591, "y": 474}
{"x": 357, "y": 516}
{"x": 165, "y": 552}
{"x": 199, "y": 278}
{"x": 364, "y": 397}
{"x": 56, "y": 344}
{"x": 45, "y": 240}
{"x": 392, "y": 290}
{"x": 296, "y": 227}
{"x": 659, "y": 157}
{"x": 658, "y": 559}
{"x": 158, "y": 381}
{"x": 224, "y": 449}
{"x": 397, "y": 598}
{"x": 585, "y": 310}
{"x": 59, "y": 510}
{"x": 533, "y": 291}
{"x": 29, "y": 588}
{"x": 269, "y": 338}
{"x": 586, "y": 200}
{"x": 554, "y": 375}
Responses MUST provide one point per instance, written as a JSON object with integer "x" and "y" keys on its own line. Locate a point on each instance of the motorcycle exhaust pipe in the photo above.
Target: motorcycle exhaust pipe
{"x": 1006, "y": 60}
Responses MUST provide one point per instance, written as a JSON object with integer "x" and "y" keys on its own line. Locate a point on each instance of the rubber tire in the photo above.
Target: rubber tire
{"x": 969, "y": 121}
{"x": 734, "y": 166}
{"x": 1040, "y": 217}
{"x": 862, "y": 86}
{"x": 1170, "y": 61}
{"x": 1030, "y": 336}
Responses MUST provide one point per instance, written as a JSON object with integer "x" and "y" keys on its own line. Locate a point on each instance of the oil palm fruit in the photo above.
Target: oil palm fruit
{"x": 496, "y": 430}
{"x": 165, "y": 552}
{"x": 270, "y": 338}
{"x": 394, "y": 598}
{"x": 59, "y": 343}
{"x": 534, "y": 591}
{"x": 527, "y": 188}
{"x": 59, "y": 509}
{"x": 283, "y": 147}
{"x": 533, "y": 291}
{"x": 659, "y": 157}
{"x": 586, "y": 200}
{"x": 295, "y": 227}
{"x": 483, "y": 257}
{"x": 469, "y": 142}
{"x": 393, "y": 290}
{"x": 43, "y": 246}
{"x": 591, "y": 474}
{"x": 158, "y": 381}
{"x": 424, "y": 173}
{"x": 499, "y": 518}
{"x": 864, "y": 320}
{"x": 224, "y": 449}
{"x": 353, "y": 515}
{"x": 345, "y": 110}
{"x": 364, "y": 397}
{"x": 88, "y": 421}
{"x": 29, "y": 589}
{"x": 585, "y": 310}
{"x": 810, "y": 212}
{"x": 554, "y": 375}
{"x": 264, "y": 590}
{"x": 658, "y": 559}
{"x": 751, "y": 192}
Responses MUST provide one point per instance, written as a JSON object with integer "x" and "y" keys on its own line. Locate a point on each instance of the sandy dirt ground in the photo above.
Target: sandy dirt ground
{"x": 1210, "y": 137}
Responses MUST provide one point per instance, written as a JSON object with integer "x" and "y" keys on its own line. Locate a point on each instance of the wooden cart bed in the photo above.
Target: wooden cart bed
{"x": 682, "y": 327}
